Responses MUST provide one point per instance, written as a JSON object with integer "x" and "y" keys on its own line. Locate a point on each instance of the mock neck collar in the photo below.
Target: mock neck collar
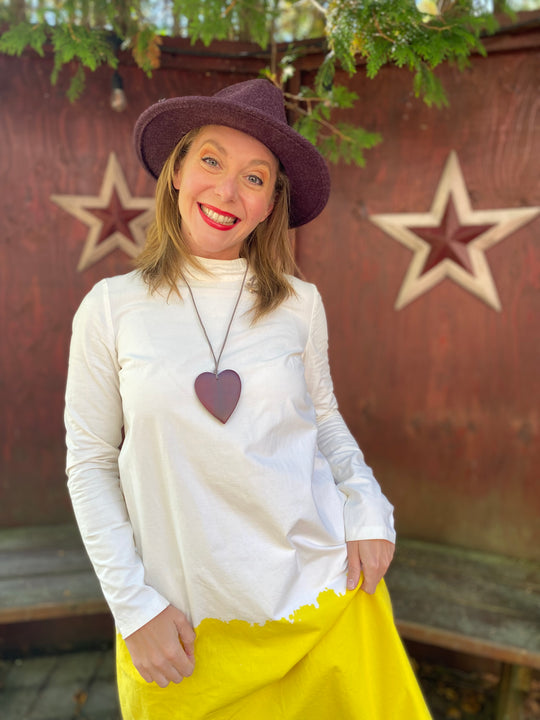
{"x": 224, "y": 269}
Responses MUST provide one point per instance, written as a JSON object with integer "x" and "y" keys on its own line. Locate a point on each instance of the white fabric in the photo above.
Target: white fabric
{"x": 244, "y": 520}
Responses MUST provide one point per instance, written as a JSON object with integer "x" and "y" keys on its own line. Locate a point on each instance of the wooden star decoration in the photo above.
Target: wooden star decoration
{"x": 115, "y": 219}
{"x": 450, "y": 241}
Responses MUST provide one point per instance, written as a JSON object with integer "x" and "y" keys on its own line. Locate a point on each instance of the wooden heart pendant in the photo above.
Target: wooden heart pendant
{"x": 219, "y": 393}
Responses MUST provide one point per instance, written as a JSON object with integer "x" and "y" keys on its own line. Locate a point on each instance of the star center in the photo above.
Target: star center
{"x": 115, "y": 218}
{"x": 449, "y": 239}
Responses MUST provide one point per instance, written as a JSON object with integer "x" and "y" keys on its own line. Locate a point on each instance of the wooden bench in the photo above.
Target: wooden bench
{"x": 46, "y": 574}
{"x": 474, "y": 603}
{"x": 470, "y": 602}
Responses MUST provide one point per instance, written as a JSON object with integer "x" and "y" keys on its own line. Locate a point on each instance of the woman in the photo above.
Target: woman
{"x": 224, "y": 504}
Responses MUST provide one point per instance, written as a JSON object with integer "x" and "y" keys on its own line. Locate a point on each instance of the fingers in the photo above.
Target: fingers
{"x": 171, "y": 664}
{"x": 372, "y": 558}
{"x": 160, "y": 671}
{"x": 187, "y": 638}
{"x": 157, "y": 649}
{"x": 354, "y": 565}
{"x": 370, "y": 582}
{"x": 376, "y": 556}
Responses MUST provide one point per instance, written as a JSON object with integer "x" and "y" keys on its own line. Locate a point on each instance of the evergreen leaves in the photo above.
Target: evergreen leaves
{"x": 21, "y": 36}
{"x": 75, "y": 42}
{"x": 393, "y": 32}
{"x": 146, "y": 50}
{"x": 313, "y": 108}
{"x": 84, "y": 34}
{"x": 209, "y": 20}
{"x": 71, "y": 44}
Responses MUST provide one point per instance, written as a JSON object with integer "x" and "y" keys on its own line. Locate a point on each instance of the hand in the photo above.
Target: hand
{"x": 163, "y": 649}
{"x": 373, "y": 558}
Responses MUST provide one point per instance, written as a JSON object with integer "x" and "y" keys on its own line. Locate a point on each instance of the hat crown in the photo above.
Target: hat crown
{"x": 259, "y": 95}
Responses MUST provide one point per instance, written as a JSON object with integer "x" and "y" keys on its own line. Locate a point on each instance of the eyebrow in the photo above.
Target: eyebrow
{"x": 221, "y": 149}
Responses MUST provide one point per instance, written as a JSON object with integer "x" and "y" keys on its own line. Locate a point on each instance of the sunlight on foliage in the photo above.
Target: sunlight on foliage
{"x": 358, "y": 35}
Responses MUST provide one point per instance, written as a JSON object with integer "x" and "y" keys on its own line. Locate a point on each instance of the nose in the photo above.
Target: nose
{"x": 226, "y": 189}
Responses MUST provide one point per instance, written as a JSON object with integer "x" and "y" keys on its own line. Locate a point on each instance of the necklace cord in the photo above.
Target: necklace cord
{"x": 216, "y": 360}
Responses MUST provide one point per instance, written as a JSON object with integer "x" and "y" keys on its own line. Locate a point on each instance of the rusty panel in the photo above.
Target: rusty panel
{"x": 443, "y": 395}
{"x": 52, "y": 147}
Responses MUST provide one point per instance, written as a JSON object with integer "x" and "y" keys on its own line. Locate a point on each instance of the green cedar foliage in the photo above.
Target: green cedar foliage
{"x": 360, "y": 34}
{"x": 393, "y": 32}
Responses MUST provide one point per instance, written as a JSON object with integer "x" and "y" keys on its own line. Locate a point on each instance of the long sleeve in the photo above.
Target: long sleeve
{"x": 94, "y": 420}
{"x": 367, "y": 514}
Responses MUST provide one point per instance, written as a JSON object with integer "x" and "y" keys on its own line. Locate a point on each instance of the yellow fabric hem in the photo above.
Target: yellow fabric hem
{"x": 341, "y": 659}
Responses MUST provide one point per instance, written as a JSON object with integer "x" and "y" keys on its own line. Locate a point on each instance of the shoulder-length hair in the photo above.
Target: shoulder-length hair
{"x": 267, "y": 249}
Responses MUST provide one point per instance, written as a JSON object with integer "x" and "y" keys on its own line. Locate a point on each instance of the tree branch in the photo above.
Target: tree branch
{"x": 321, "y": 121}
{"x": 315, "y": 5}
{"x": 386, "y": 37}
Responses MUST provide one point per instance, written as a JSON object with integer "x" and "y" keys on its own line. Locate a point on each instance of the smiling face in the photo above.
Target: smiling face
{"x": 225, "y": 187}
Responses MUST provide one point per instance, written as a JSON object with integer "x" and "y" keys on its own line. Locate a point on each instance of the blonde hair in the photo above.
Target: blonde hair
{"x": 267, "y": 249}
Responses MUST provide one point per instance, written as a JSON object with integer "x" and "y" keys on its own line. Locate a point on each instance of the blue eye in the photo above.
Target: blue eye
{"x": 210, "y": 161}
{"x": 255, "y": 180}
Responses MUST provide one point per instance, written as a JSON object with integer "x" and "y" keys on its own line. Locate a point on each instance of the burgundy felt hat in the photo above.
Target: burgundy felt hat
{"x": 254, "y": 107}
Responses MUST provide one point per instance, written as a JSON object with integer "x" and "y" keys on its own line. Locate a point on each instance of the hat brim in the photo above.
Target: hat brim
{"x": 161, "y": 127}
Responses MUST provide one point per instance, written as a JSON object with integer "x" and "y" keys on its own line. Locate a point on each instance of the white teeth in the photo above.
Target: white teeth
{"x": 216, "y": 217}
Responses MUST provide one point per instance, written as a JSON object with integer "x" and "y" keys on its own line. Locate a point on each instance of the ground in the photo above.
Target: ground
{"x": 80, "y": 686}
{"x": 458, "y": 695}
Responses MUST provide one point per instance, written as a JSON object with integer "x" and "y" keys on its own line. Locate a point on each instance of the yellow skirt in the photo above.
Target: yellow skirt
{"x": 339, "y": 660}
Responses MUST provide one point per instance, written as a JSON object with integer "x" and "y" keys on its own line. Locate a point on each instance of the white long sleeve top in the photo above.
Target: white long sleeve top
{"x": 244, "y": 520}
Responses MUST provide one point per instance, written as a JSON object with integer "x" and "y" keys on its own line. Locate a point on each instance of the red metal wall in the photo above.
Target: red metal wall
{"x": 50, "y": 147}
{"x": 441, "y": 394}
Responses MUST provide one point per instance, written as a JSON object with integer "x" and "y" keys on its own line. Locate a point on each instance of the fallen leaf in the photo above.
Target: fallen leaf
{"x": 454, "y": 713}
{"x": 471, "y": 704}
{"x": 80, "y": 698}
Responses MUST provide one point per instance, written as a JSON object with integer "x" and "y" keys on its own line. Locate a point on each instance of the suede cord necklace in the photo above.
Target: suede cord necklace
{"x": 219, "y": 392}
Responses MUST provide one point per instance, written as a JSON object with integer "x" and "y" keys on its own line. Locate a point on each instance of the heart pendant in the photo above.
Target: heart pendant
{"x": 219, "y": 393}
